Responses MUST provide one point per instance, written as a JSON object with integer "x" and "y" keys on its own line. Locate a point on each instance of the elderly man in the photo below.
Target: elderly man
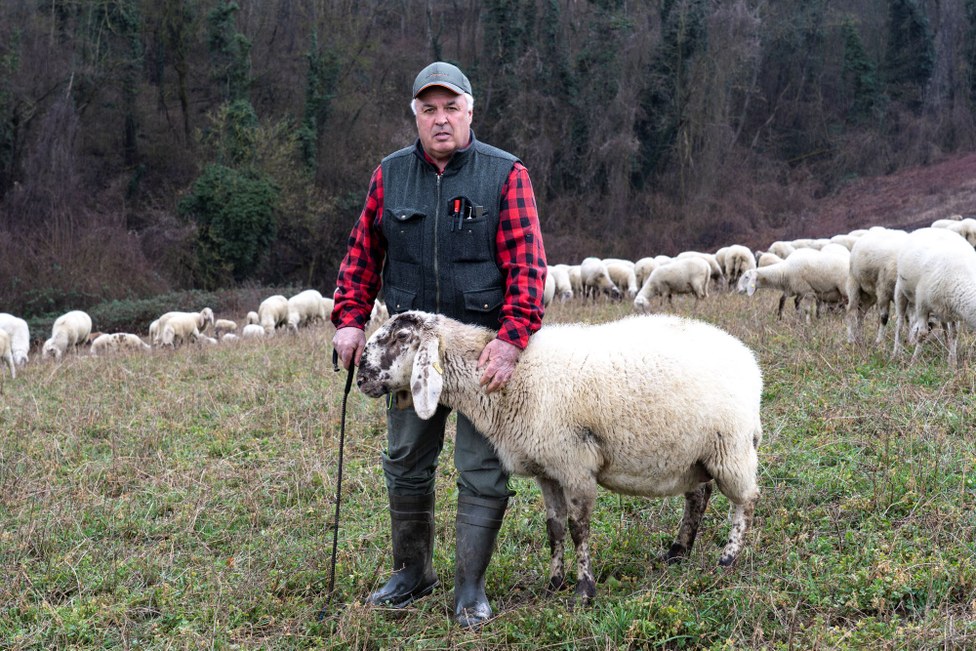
{"x": 449, "y": 226}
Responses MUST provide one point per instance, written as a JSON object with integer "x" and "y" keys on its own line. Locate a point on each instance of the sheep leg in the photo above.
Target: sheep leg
{"x": 696, "y": 502}
{"x": 555, "y": 500}
{"x": 741, "y": 522}
{"x": 782, "y": 303}
{"x": 580, "y": 512}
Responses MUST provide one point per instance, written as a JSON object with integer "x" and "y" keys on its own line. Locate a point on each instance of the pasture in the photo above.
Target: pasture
{"x": 183, "y": 500}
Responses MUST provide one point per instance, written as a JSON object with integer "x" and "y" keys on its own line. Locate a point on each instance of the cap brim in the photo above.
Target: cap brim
{"x": 451, "y": 87}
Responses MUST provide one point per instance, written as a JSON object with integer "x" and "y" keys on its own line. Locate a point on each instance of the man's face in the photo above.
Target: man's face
{"x": 443, "y": 122}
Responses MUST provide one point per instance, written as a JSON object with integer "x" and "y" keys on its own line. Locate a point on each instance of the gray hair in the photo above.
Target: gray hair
{"x": 467, "y": 96}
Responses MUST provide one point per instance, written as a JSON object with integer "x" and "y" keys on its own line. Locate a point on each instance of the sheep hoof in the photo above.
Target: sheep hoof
{"x": 676, "y": 554}
{"x": 585, "y": 593}
{"x": 727, "y": 560}
{"x": 556, "y": 583}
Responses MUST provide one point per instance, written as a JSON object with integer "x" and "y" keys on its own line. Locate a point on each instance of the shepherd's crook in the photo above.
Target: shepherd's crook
{"x": 338, "y": 498}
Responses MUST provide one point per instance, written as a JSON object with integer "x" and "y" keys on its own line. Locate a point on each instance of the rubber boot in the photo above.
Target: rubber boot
{"x": 478, "y": 522}
{"x": 412, "y": 526}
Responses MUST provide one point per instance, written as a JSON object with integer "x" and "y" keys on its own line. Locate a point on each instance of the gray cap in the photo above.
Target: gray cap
{"x": 442, "y": 74}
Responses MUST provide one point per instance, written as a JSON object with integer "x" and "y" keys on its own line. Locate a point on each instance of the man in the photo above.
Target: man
{"x": 449, "y": 226}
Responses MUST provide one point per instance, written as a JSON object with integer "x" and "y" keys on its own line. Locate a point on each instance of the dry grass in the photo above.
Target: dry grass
{"x": 184, "y": 500}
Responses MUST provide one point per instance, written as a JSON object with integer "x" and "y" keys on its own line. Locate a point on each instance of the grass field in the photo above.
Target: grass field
{"x": 183, "y": 500}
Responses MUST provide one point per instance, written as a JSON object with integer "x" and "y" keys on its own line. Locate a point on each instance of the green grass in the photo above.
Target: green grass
{"x": 183, "y": 500}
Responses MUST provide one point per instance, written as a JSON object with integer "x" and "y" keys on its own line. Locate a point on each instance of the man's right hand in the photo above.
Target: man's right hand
{"x": 349, "y": 343}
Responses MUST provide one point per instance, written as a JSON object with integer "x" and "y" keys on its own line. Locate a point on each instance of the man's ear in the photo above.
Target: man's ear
{"x": 426, "y": 379}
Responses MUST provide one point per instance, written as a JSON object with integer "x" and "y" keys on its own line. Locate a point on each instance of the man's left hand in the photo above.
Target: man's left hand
{"x": 499, "y": 359}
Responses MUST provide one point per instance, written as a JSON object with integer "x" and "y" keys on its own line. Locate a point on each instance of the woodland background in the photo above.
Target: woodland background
{"x": 154, "y": 146}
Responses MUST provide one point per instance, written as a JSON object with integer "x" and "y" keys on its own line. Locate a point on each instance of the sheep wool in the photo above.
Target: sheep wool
{"x": 648, "y": 405}
{"x": 69, "y": 330}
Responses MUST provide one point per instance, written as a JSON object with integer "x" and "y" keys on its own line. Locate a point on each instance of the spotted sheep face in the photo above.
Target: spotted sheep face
{"x": 387, "y": 361}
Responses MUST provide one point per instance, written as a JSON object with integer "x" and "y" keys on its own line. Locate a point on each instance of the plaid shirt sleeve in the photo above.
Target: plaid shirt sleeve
{"x": 522, "y": 259}
{"x": 359, "y": 274}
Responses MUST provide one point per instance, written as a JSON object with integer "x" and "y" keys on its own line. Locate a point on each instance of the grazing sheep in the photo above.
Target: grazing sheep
{"x": 623, "y": 275}
{"x": 576, "y": 279}
{"x": 936, "y": 275}
{"x": 6, "y": 352}
{"x": 202, "y": 320}
{"x": 873, "y": 273}
{"x": 117, "y": 342}
{"x": 563, "y": 287}
{"x": 782, "y": 249}
{"x": 767, "y": 258}
{"x": 252, "y": 317}
{"x": 688, "y": 275}
{"x": 307, "y": 307}
{"x": 643, "y": 268}
{"x": 178, "y": 329}
{"x": 821, "y": 274}
{"x": 737, "y": 259}
{"x": 650, "y": 405}
{"x": 69, "y": 330}
{"x": 223, "y": 326}
{"x": 713, "y": 265}
{"x": 596, "y": 279}
{"x": 273, "y": 313}
{"x": 19, "y": 336}
{"x": 254, "y": 331}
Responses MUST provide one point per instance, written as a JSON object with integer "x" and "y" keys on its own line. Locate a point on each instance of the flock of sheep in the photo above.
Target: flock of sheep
{"x": 928, "y": 274}
{"x": 73, "y": 329}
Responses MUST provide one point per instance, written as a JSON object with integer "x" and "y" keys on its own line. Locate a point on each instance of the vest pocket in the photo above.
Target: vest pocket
{"x": 483, "y": 300}
{"x": 404, "y": 230}
{"x": 399, "y": 300}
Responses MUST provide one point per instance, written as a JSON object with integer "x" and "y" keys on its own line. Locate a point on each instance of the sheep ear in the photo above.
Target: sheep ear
{"x": 426, "y": 379}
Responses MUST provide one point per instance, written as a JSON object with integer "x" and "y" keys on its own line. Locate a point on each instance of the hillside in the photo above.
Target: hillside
{"x": 908, "y": 199}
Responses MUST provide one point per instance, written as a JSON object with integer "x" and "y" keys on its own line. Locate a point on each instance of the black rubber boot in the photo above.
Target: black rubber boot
{"x": 478, "y": 522}
{"x": 412, "y": 525}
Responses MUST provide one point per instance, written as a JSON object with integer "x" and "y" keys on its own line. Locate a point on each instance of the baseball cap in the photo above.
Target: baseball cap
{"x": 442, "y": 74}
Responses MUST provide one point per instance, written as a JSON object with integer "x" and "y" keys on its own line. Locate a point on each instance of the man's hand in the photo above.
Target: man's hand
{"x": 499, "y": 359}
{"x": 349, "y": 342}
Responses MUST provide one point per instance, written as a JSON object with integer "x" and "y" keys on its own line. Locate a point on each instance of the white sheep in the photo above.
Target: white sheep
{"x": 648, "y": 405}
{"x": 562, "y": 285}
{"x": 623, "y": 275}
{"x": 821, "y": 274}
{"x": 307, "y": 307}
{"x": 69, "y": 330}
{"x": 253, "y": 331}
{"x": 252, "y": 317}
{"x": 596, "y": 279}
{"x": 230, "y": 337}
{"x": 224, "y": 326}
{"x": 202, "y": 320}
{"x": 273, "y": 313}
{"x": 181, "y": 327}
{"x": 965, "y": 227}
{"x": 19, "y": 337}
{"x": 937, "y": 276}
{"x": 117, "y": 342}
{"x": 873, "y": 273}
{"x": 781, "y": 248}
{"x": 576, "y": 279}
{"x": 736, "y": 260}
{"x": 713, "y": 265}
{"x": 6, "y": 352}
{"x": 767, "y": 258}
{"x": 643, "y": 268}
{"x": 688, "y": 275}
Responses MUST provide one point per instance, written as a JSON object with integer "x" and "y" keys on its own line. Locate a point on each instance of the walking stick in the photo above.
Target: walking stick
{"x": 338, "y": 499}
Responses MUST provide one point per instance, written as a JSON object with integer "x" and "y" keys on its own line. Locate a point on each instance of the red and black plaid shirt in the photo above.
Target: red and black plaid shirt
{"x": 521, "y": 258}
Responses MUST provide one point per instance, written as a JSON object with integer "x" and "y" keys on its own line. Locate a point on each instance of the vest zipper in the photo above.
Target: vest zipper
{"x": 437, "y": 231}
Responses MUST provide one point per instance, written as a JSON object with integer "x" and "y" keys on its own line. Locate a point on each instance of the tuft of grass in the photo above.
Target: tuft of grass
{"x": 185, "y": 499}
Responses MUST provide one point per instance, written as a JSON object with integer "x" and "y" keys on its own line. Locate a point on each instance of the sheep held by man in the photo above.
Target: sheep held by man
{"x": 651, "y": 405}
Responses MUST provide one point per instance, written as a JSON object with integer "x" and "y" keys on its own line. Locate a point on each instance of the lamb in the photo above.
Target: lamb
{"x": 307, "y": 307}
{"x": 623, "y": 275}
{"x": 116, "y": 342}
{"x": 873, "y": 272}
{"x": 6, "y": 352}
{"x": 688, "y": 275}
{"x": 201, "y": 319}
{"x": 19, "y": 337}
{"x": 253, "y": 331}
{"x": 596, "y": 279}
{"x": 69, "y": 330}
{"x": 273, "y": 313}
{"x": 562, "y": 285}
{"x": 936, "y": 275}
{"x": 223, "y": 326}
{"x": 650, "y": 405}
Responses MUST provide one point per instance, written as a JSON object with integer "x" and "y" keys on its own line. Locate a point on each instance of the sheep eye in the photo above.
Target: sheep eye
{"x": 402, "y": 335}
